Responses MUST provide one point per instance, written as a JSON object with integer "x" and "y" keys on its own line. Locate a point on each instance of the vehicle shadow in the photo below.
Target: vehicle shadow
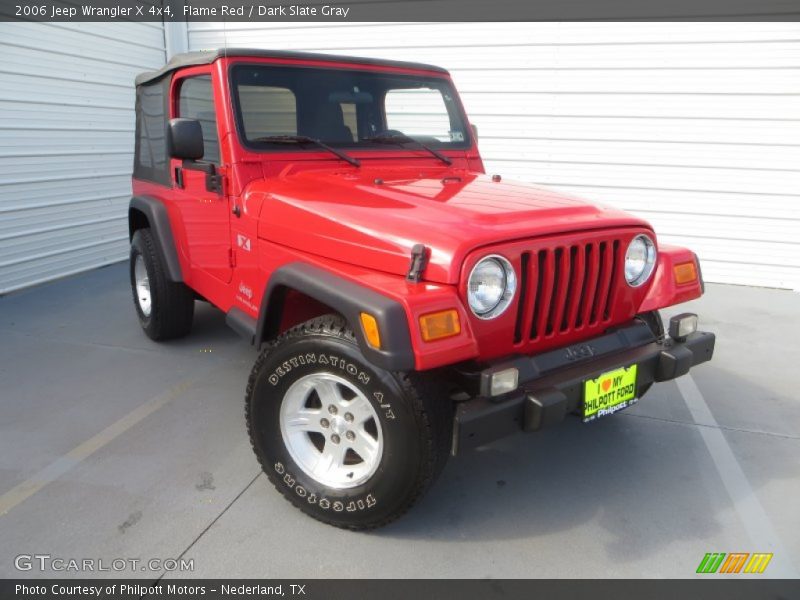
{"x": 641, "y": 478}
{"x": 211, "y": 334}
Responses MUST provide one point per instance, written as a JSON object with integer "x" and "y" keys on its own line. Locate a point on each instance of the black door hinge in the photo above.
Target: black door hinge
{"x": 419, "y": 260}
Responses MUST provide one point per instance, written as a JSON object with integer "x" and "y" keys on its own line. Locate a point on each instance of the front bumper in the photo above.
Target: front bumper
{"x": 551, "y": 383}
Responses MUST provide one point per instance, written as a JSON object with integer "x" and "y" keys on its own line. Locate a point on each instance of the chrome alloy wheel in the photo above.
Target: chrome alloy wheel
{"x": 331, "y": 430}
{"x": 142, "y": 286}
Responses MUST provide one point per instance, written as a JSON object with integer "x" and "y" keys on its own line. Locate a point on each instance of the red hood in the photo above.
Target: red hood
{"x": 373, "y": 216}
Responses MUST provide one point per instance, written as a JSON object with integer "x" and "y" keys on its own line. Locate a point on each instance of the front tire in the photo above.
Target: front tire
{"x": 165, "y": 308}
{"x": 346, "y": 442}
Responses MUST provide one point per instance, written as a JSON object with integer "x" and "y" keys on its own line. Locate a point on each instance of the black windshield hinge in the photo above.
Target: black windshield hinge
{"x": 419, "y": 260}
{"x": 214, "y": 182}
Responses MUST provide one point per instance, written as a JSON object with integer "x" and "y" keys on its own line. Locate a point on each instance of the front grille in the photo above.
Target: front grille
{"x": 566, "y": 288}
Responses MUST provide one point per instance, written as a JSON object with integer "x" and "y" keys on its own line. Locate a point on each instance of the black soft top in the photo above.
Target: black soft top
{"x": 205, "y": 57}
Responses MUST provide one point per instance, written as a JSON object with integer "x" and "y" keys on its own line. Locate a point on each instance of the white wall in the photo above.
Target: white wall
{"x": 66, "y": 144}
{"x": 695, "y": 126}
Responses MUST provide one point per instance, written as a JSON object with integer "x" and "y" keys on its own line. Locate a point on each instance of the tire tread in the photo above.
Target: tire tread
{"x": 431, "y": 408}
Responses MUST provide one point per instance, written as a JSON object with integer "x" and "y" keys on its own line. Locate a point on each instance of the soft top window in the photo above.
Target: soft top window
{"x": 150, "y": 160}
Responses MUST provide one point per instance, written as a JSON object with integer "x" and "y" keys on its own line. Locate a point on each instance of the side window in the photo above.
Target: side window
{"x": 419, "y": 112}
{"x": 150, "y": 161}
{"x": 267, "y": 111}
{"x": 350, "y": 116}
{"x": 196, "y": 101}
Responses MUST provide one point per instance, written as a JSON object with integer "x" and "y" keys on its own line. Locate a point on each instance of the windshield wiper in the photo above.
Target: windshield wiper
{"x": 304, "y": 139}
{"x": 401, "y": 138}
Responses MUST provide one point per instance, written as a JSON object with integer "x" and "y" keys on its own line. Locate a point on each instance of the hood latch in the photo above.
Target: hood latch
{"x": 419, "y": 260}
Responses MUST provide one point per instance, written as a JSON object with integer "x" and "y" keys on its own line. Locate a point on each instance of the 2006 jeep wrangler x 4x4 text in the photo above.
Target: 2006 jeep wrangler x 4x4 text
{"x": 404, "y": 304}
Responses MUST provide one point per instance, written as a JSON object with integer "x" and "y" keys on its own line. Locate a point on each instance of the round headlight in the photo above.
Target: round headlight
{"x": 491, "y": 287}
{"x": 640, "y": 260}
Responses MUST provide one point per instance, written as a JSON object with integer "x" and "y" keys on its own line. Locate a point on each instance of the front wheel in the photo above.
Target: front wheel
{"x": 346, "y": 442}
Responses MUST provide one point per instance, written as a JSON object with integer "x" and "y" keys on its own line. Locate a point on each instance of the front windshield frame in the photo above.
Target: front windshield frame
{"x": 454, "y": 109}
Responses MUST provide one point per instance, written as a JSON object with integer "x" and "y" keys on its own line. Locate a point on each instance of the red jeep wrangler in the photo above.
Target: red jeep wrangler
{"x": 405, "y": 305}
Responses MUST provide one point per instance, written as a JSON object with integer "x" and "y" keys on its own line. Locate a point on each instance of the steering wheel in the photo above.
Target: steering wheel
{"x": 390, "y": 133}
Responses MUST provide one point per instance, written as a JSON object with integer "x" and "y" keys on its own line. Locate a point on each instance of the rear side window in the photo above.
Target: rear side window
{"x": 150, "y": 155}
{"x": 419, "y": 112}
{"x": 350, "y": 116}
{"x": 196, "y": 101}
{"x": 267, "y": 110}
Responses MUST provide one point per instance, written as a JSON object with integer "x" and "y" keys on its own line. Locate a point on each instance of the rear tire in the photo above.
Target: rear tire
{"x": 165, "y": 308}
{"x": 346, "y": 442}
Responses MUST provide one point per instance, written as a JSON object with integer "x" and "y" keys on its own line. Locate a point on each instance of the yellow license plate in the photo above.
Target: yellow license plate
{"x": 609, "y": 393}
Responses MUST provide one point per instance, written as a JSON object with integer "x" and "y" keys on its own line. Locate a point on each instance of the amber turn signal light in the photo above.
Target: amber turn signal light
{"x": 685, "y": 273}
{"x": 438, "y": 325}
{"x": 371, "y": 331}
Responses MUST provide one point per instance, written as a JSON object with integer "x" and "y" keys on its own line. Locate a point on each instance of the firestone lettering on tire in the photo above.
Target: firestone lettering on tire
{"x": 352, "y": 506}
{"x": 320, "y": 359}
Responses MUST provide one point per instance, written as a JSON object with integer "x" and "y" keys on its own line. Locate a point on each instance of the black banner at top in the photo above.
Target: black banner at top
{"x": 399, "y": 10}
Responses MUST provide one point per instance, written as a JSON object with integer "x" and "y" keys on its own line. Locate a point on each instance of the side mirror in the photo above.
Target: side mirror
{"x": 185, "y": 139}
{"x": 475, "y": 132}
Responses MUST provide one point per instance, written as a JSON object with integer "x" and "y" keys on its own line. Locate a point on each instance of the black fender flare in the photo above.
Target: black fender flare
{"x": 347, "y": 298}
{"x": 157, "y": 216}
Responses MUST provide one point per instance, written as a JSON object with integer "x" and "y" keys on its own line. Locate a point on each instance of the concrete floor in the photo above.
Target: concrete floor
{"x": 112, "y": 446}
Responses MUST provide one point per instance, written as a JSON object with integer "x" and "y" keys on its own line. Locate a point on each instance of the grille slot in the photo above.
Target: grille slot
{"x": 564, "y": 288}
{"x": 615, "y": 260}
{"x": 555, "y": 298}
{"x": 523, "y": 296}
{"x": 602, "y": 283}
{"x": 575, "y": 281}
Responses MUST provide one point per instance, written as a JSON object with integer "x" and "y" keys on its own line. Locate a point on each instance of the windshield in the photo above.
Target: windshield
{"x": 345, "y": 108}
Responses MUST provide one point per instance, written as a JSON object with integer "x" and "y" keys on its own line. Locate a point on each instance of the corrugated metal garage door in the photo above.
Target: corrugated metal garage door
{"x": 66, "y": 144}
{"x": 695, "y": 126}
